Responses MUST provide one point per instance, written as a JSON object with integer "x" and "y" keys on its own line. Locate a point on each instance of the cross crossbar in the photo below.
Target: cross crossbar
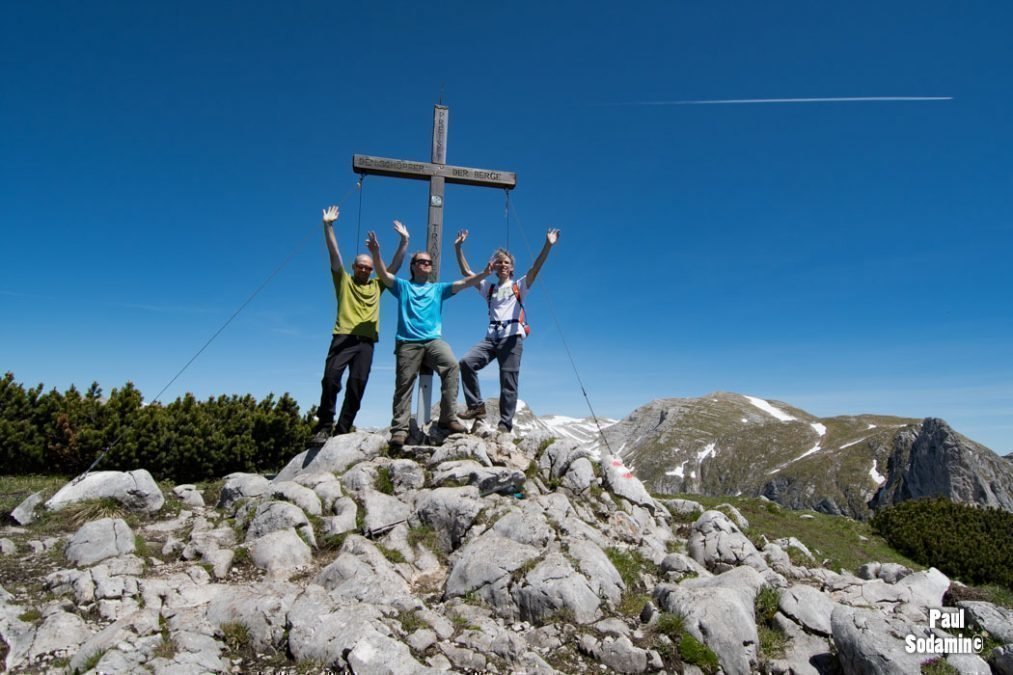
{"x": 462, "y": 175}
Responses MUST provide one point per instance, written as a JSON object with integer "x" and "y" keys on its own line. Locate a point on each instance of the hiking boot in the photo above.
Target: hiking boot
{"x": 503, "y": 429}
{"x": 473, "y": 412}
{"x": 320, "y": 435}
{"x": 452, "y": 427}
{"x": 397, "y": 439}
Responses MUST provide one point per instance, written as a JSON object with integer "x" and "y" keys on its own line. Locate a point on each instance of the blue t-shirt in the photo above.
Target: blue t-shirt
{"x": 419, "y": 309}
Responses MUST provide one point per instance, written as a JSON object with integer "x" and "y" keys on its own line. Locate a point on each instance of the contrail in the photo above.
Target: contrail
{"x": 836, "y": 99}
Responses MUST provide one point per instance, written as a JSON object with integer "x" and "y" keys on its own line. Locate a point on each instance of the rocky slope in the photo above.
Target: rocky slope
{"x": 726, "y": 443}
{"x": 473, "y": 553}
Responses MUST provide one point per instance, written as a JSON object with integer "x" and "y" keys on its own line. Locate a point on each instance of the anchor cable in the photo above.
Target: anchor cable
{"x": 270, "y": 277}
{"x": 562, "y": 337}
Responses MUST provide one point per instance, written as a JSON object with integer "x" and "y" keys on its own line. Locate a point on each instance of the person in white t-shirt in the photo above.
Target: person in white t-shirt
{"x": 504, "y": 337}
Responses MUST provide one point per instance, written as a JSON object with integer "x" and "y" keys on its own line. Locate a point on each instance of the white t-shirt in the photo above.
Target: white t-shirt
{"x": 504, "y": 308}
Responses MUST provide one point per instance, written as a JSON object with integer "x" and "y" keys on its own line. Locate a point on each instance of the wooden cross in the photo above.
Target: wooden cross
{"x": 438, "y": 173}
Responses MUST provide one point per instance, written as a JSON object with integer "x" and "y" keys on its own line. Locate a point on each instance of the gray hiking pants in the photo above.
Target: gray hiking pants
{"x": 410, "y": 357}
{"x": 508, "y": 353}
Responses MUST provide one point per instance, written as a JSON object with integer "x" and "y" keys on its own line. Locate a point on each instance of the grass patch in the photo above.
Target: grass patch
{"x": 92, "y": 660}
{"x": 938, "y": 666}
{"x": 410, "y": 622}
{"x": 670, "y": 625}
{"x": 166, "y": 649}
{"x": 236, "y": 637}
{"x": 211, "y": 491}
{"x": 693, "y": 651}
{"x": 391, "y": 554}
{"x": 141, "y": 547}
{"x": 241, "y": 557}
{"x": 544, "y": 445}
{"x": 31, "y": 616}
{"x": 629, "y": 564}
{"x": 331, "y": 542}
{"x": 844, "y": 543}
{"x": 765, "y": 604}
{"x": 16, "y": 489}
{"x": 426, "y": 536}
{"x": 772, "y": 641}
{"x": 384, "y": 483}
{"x": 631, "y": 604}
{"x": 74, "y": 516}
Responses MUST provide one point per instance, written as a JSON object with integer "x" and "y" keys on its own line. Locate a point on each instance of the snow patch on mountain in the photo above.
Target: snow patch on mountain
{"x": 678, "y": 471}
{"x": 769, "y": 409}
{"x": 875, "y": 475}
{"x": 820, "y": 429}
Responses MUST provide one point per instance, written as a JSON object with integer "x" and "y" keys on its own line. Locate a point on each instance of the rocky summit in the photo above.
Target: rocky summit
{"x": 731, "y": 444}
{"x": 484, "y": 554}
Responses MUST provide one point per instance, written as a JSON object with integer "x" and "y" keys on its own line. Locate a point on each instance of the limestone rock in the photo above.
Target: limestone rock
{"x": 382, "y": 512}
{"x": 280, "y": 551}
{"x": 809, "y": 607}
{"x": 868, "y": 642}
{"x": 274, "y": 516}
{"x": 303, "y": 497}
{"x": 336, "y": 456}
{"x": 136, "y": 490}
{"x": 100, "y": 539}
{"x": 189, "y": 495}
{"x": 718, "y": 612}
{"x": 241, "y": 486}
{"x": 362, "y": 573}
{"x": 998, "y": 621}
{"x": 554, "y": 587}
{"x": 24, "y": 513}
{"x": 450, "y": 512}
{"x": 719, "y": 544}
{"x": 262, "y": 608}
{"x": 488, "y": 480}
{"x": 936, "y": 461}
{"x": 623, "y": 483}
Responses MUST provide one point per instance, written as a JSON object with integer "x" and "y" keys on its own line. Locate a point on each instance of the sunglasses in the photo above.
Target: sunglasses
{"x": 423, "y": 262}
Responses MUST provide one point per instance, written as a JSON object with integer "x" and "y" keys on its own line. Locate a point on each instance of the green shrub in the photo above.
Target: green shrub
{"x": 185, "y": 441}
{"x": 961, "y": 540}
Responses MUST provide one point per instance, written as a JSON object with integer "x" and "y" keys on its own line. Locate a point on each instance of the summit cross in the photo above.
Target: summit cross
{"x": 438, "y": 173}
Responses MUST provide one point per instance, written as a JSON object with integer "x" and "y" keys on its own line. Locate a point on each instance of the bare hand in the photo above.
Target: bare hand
{"x": 372, "y": 244}
{"x": 552, "y": 236}
{"x": 330, "y": 215}
{"x": 401, "y": 229}
{"x": 461, "y": 236}
{"x": 490, "y": 268}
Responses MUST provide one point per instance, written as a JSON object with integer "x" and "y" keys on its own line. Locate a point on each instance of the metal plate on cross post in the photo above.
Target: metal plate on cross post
{"x": 423, "y": 412}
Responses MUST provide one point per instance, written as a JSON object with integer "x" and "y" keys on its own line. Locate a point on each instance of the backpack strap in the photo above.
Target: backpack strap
{"x": 517, "y": 295}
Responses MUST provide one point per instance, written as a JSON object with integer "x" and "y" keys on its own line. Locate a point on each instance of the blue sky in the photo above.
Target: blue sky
{"x": 159, "y": 160}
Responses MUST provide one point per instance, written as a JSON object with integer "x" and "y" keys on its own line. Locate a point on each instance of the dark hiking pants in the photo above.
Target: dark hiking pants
{"x": 356, "y": 354}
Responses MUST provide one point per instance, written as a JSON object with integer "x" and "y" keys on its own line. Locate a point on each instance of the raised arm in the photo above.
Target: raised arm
{"x": 395, "y": 262}
{"x": 331, "y": 215}
{"x": 461, "y": 262}
{"x": 551, "y": 237}
{"x": 471, "y": 280}
{"x": 385, "y": 277}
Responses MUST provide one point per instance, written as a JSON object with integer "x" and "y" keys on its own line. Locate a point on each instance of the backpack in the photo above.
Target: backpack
{"x": 517, "y": 294}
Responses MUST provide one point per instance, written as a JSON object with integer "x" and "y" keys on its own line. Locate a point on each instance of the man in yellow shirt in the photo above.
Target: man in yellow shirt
{"x": 356, "y": 331}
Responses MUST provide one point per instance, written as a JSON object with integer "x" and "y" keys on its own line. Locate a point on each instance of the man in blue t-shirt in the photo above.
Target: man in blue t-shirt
{"x": 419, "y": 338}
